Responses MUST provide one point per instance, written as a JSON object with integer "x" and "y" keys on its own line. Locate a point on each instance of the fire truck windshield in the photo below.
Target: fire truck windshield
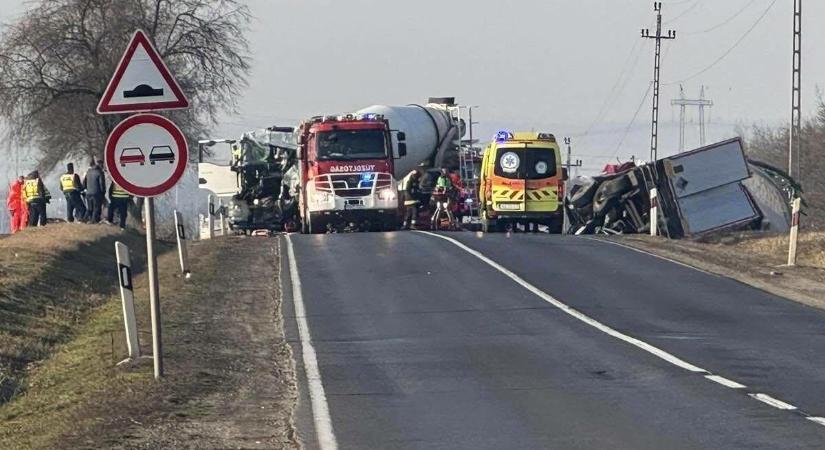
{"x": 351, "y": 145}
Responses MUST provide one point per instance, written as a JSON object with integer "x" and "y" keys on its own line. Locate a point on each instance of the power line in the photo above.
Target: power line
{"x": 725, "y": 22}
{"x": 685, "y": 12}
{"x": 730, "y": 50}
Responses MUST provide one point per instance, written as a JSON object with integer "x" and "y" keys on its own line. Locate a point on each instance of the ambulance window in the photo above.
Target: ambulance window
{"x": 540, "y": 164}
{"x": 510, "y": 163}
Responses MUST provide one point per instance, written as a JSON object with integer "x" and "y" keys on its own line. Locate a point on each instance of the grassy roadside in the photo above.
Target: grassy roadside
{"x": 230, "y": 377}
{"x": 751, "y": 258}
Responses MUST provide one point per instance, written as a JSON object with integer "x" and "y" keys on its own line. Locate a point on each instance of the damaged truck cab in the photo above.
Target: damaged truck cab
{"x": 522, "y": 181}
{"x": 346, "y": 173}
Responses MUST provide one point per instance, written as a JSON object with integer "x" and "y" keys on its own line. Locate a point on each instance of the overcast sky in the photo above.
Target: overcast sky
{"x": 546, "y": 64}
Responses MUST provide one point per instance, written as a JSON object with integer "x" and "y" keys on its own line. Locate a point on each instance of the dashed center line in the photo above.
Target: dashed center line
{"x": 768, "y": 400}
{"x": 676, "y": 361}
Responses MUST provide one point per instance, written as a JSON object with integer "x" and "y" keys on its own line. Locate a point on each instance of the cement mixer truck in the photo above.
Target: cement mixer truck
{"x": 349, "y": 165}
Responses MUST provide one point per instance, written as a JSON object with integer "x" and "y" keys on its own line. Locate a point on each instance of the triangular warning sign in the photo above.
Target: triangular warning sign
{"x": 142, "y": 82}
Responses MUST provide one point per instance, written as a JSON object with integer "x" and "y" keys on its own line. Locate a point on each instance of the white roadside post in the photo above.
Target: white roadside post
{"x": 182, "y": 252}
{"x": 210, "y": 233}
{"x": 124, "y": 274}
{"x": 797, "y": 206}
{"x": 654, "y": 212}
{"x": 221, "y": 222}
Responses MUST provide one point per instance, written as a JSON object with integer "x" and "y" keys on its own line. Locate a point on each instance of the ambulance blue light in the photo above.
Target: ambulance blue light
{"x": 503, "y": 136}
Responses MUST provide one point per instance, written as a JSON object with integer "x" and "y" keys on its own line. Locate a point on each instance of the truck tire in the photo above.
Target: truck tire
{"x": 316, "y": 226}
{"x": 609, "y": 192}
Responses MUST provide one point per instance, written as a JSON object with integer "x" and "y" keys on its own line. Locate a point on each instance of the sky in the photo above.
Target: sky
{"x": 572, "y": 67}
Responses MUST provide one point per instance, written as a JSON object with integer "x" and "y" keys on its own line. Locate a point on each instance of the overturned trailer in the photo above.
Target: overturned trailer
{"x": 699, "y": 192}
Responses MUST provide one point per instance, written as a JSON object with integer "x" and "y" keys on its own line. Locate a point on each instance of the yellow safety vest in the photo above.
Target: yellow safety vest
{"x": 67, "y": 182}
{"x": 118, "y": 192}
{"x": 32, "y": 190}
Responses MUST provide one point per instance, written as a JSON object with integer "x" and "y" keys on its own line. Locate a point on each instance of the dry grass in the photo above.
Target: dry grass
{"x": 811, "y": 250}
{"x": 51, "y": 278}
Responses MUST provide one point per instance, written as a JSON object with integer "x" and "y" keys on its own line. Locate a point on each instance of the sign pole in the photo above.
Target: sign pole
{"x": 154, "y": 291}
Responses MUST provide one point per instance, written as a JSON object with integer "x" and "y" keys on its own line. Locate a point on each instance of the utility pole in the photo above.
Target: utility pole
{"x": 795, "y": 144}
{"x": 569, "y": 164}
{"x": 683, "y": 103}
{"x": 671, "y": 34}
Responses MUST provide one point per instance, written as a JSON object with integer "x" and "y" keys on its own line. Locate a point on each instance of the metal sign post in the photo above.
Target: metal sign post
{"x": 154, "y": 289}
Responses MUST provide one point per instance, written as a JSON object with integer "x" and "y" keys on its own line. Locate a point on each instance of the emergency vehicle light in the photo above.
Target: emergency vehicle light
{"x": 503, "y": 136}
{"x": 546, "y": 137}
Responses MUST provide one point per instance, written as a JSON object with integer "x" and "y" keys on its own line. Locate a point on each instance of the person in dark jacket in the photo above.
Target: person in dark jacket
{"x": 119, "y": 201}
{"x": 95, "y": 184}
{"x": 71, "y": 186}
{"x": 410, "y": 191}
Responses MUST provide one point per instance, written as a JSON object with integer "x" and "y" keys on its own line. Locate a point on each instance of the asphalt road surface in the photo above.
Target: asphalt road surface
{"x": 534, "y": 341}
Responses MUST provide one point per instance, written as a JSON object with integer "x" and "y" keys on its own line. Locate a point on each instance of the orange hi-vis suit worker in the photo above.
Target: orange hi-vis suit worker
{"x": 16, "y": 204}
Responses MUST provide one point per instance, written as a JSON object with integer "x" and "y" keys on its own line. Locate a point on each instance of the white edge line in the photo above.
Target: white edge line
{"x": 645, "y": 252}
{"x": 725, "y": 382}
{"x": 768, "y": 400}
{"x": 317, "y": 395}
{"x": 574, "y": 312}
{"x": 819, "y": 420}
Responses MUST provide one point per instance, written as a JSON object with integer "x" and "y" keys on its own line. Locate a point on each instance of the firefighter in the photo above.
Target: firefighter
{"x": 71, "y": 187}
{"x": 17, "y": 205}
{"x": 411, "y": 194}
{"x": 95, "y": 185}
{"x": 119, "y": 201}
{"x": 37, "y": 196}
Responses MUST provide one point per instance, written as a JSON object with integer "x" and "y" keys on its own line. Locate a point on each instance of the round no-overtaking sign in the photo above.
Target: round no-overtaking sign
{"x": 146, "y": 155}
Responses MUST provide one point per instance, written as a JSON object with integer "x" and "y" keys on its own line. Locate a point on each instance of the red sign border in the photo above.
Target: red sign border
{"x": 125, "y": 125}
{"x": 140, "y": 38}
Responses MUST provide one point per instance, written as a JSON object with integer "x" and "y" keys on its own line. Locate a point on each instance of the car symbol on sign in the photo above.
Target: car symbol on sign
{"x": 132, "y": 155}
{"x": 161, "y": 153}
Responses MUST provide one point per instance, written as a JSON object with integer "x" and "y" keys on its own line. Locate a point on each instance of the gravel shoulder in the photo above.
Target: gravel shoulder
{"x": 750, "y": 258}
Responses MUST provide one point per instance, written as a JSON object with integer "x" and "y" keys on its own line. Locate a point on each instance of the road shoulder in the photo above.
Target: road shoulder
{"x": 747, "y": 259}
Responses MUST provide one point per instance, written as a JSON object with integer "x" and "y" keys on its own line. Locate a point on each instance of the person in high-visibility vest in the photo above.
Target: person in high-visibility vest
{"x": 71, "y": 187}
{"x": 119, "y": 201}
{"x": 37, "y": 196}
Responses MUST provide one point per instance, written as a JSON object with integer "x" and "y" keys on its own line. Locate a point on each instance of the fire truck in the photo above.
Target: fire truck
{"x": 346, "y": 173}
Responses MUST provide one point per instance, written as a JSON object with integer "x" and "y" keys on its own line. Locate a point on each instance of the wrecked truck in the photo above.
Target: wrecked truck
{"x": 699, "y": 192}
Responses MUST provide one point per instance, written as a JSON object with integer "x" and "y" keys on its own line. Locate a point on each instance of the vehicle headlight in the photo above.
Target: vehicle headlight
{"x": 386, "y": 194}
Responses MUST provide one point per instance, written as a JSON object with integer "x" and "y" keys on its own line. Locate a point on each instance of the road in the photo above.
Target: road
{"x": 536, "y": 341}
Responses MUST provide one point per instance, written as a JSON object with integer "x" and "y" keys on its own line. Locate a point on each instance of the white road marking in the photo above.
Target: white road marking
{"x": 764, "y": 398}
{"x": 819, "y": 420}
{"x": 574, "y": 312}
{"x": 317, "y": 395}
{"x": 638, "y": 250}
{"x": 768, "y": 400}
{"x": 725, "y": 382}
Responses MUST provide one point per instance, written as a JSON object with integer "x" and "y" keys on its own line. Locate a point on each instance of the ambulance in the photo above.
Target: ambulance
{"x": 522, "y": 182}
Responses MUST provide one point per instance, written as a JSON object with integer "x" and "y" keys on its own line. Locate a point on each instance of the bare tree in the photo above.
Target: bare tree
{"x": 770, "y": 145}
{"x": 56, "y": 60}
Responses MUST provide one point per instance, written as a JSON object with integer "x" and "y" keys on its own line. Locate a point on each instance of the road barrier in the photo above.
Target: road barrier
{"x": 797, "y": 206}
{"x": 654, "y": 212}
{"x": 183, "y": 255}
{"x": 124, "y": 273}
{"x": 211, "y": 218}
